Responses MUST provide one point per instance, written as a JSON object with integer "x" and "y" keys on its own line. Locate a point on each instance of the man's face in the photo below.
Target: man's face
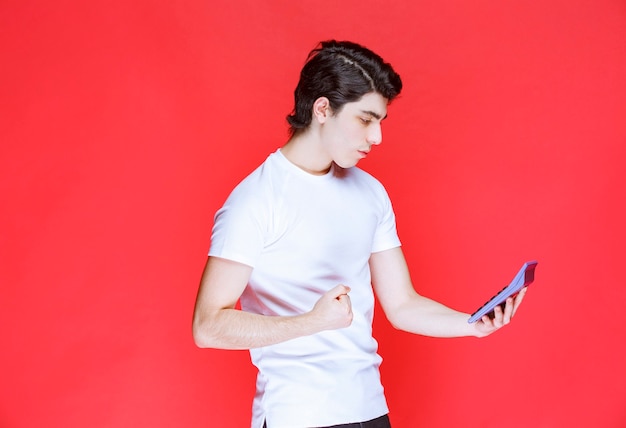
{"x": 349, "y": 135}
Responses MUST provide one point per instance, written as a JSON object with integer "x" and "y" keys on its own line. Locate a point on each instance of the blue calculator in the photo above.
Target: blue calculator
{"x": 524, "y": 277}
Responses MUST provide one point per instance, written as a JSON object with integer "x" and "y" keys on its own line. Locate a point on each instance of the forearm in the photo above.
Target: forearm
{"x": 424, "y": 316}
{"x": 236, "y": 329}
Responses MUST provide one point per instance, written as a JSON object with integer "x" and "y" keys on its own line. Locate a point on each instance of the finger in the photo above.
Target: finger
{"x": 498, "y": 316}
{"x": 346, "y": 304}
{"x": 343, "y": 301}
{"x": 488, "y": 322}
{"x": 508, "y": 311}
{"x": 344, "y": 298}
{"x": 518, "y": 300}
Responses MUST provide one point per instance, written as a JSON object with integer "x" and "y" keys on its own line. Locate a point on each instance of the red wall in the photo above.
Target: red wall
{"x": 124, "y": 125}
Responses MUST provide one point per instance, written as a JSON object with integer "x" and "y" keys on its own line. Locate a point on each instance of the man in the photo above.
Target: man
{"x": 304, "y": 242}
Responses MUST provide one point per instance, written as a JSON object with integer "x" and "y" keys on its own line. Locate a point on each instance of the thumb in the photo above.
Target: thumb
{"x": 338, "y": 291}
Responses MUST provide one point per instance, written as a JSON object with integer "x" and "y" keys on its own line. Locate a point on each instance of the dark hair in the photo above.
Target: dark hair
{"x": 342, "y": 72}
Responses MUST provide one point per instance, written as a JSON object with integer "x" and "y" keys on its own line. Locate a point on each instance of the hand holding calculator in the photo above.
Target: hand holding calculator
{"x": 524, "y": 277}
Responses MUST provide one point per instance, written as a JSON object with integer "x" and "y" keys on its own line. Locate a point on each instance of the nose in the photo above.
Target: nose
{"x": 375, "y": 135}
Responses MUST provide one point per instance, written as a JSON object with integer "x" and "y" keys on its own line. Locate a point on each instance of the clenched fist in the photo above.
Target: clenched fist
{"x": 333, "y": 310}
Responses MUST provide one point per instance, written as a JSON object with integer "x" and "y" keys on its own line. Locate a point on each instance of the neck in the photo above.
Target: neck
{"x": 304, "y": 151}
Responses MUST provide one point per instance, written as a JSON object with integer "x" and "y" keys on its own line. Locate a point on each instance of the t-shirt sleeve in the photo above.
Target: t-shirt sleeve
{"x": 239, "y": 228}
{"x": 386, "y": 235}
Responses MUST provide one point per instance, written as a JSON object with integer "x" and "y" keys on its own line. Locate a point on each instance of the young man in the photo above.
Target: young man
{"x": 304, "y": 242}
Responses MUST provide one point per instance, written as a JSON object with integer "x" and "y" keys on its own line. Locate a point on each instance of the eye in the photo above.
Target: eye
{"x": 366, "y": 120}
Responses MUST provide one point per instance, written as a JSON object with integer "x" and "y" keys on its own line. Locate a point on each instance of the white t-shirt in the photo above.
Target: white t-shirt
{"x": 303, "y": 235}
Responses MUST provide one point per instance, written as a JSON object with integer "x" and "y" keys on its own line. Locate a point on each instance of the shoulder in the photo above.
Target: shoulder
{"x": 249, "y": 206}
{"x": 363, "y": 179}
{"x": 257, "y": 185}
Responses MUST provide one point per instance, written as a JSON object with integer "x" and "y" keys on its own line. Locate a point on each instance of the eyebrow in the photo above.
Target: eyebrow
{"x": 374, "y": 114}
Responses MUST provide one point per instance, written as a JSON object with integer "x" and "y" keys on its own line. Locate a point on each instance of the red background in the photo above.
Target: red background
{"x": 124, "y": 125}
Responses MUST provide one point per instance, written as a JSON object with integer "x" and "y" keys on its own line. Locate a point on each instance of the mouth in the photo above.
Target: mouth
{"x": 363, "y": 153}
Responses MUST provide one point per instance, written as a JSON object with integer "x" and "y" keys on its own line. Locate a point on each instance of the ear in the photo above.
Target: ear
{"x": 321, "y": 109}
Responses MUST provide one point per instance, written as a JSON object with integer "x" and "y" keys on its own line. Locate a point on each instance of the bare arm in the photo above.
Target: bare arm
{"x": 217, "y": 324}
{"x": 409, "y": 311}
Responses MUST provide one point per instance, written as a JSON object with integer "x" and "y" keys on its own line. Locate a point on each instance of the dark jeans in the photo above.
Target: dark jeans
{"x": 382, "y": 422}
